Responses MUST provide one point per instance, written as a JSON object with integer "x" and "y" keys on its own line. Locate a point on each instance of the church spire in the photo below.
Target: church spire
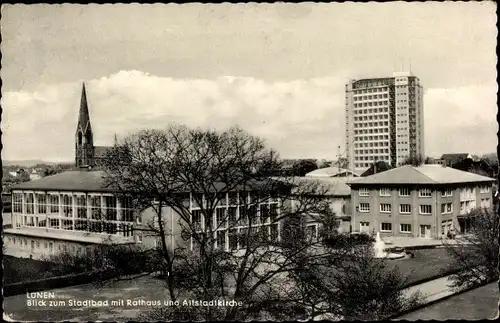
{"x": 83, "y": 117}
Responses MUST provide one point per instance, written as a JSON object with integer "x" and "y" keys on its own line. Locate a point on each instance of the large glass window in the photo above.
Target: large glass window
{"x": 197, "y": 219}
{"x": 30, "y": 203}
{"x": 95, "y": 207}
{"x": 233, "y": 239}
{"x": 127, "y": 209}
{"x": 110, "y": 207}
{"x": 41, "y": 203}
{"x": 221, "y": 239}
{"x": 17, "y": 203}
{"x": 53, "y": 203}
{"x": 67, "y": 205}
{"x": 220, "y": 215}
{"x": 81, "y": 206}
{"x": 264, "y": 213}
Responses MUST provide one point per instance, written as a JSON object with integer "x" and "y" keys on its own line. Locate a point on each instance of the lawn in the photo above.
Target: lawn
{"x": 20, "y": 269}
{"x": 426, "y": 263}
{"x": 477, "y": 304}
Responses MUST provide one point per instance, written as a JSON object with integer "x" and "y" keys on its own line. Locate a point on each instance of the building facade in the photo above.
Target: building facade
{"x": 74, "y": 210}
{"x": 425, "y": 201}
{"x": 384, "y": 120}
{"x": 337, "y": 194}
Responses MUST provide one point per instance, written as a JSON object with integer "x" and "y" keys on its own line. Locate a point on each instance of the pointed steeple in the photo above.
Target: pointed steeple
{"x": 83, "y": 117}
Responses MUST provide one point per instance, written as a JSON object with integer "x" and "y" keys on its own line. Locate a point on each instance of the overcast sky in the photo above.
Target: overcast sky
{"x": 276, "y": 70}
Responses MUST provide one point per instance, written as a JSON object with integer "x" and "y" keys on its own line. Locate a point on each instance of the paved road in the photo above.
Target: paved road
{"x": 146, "y": 288}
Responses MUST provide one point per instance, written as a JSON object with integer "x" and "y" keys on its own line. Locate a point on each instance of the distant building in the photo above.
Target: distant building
{"x": 86, "y": 154}
{"x": 332, "y": 172}
{"x": 384, "y": 120}
{"x": 424, "y": 201}
{"x": 452, "y": 159}
{"x": 468, "y": 163}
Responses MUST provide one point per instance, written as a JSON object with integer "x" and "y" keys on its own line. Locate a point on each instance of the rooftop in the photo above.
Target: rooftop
{"x": 334, "y": 186}
{"x": 331, "y": 172}
{"x": 424, "y": 174}
{"x": 95, "y": 181}
{"x": 82, "y": 181}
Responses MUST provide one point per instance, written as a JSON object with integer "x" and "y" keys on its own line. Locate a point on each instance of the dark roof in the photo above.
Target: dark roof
{"x": 95, "y": 181}
{"x": 425, "y": 174}
{"x": 83, "y": 181}
{"x": 100, "y": 151}
{"x": 454, "y": 158}
{"x": 381, "y": 165}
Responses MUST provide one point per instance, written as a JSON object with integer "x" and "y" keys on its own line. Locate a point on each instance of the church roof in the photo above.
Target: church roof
{"x": 100, "y": 151}
{"x": 83, "y": 116}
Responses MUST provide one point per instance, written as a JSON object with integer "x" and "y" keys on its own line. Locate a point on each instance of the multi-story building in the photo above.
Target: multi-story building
{"x": 424, "y": 201}
{"x": 384, "y": 120}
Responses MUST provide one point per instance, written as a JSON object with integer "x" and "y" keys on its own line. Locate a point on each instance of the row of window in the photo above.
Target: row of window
{"x": 371, "y": 117}
{"x": 238, "y": 215}
{"x": 372, "y": 144}
{"x": 358, "y": 124}
{"x": 23, "y": 243}
{"x": 370, "y": 111}
{"x": 371, "y": 104}
{"x": 370, "y": 97}
{"x": 423, "y": 192}
{"x": 403, "y": 208}
{"x": 372, "y": 90}
{"x": 446, "y": 208}
{"x": 387, "y": 227}
{"x": 232, "y": 199}
{"x": 70, "y": 224}
{"x": 236, "y": 239}
{"x": 372, "y": 130}
{"x": 366, "y": 165}
{"x": 72, "y": 205}
{"x": 371, "y": 152}
{"x": 484, "y": 189}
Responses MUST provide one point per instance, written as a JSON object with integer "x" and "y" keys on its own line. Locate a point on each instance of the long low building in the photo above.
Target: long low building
{"x": 425, "y": 201}
{"x": 75, "y": 209}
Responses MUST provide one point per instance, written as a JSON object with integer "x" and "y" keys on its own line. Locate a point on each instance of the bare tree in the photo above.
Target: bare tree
{"x": 415, "y": 160}
{"x": 219, "y": 182}
{"x": 179, "y": 167}
{"x": 477, "y": 251}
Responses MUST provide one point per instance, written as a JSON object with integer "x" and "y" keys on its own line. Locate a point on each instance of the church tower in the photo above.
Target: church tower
{"x": 84, "y": 143}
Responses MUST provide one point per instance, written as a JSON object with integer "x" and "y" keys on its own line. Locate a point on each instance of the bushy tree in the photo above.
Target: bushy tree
{"x": 303, "y": 166}
{"x": 477, "y": 251}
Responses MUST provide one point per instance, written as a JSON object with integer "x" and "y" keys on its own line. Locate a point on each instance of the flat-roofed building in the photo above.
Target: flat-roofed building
{"x": 73, "y": 210}
{"x": 425, "y": 201}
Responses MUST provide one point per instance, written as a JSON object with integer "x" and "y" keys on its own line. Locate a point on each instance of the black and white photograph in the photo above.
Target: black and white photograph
{"x": 250, "y": 161}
